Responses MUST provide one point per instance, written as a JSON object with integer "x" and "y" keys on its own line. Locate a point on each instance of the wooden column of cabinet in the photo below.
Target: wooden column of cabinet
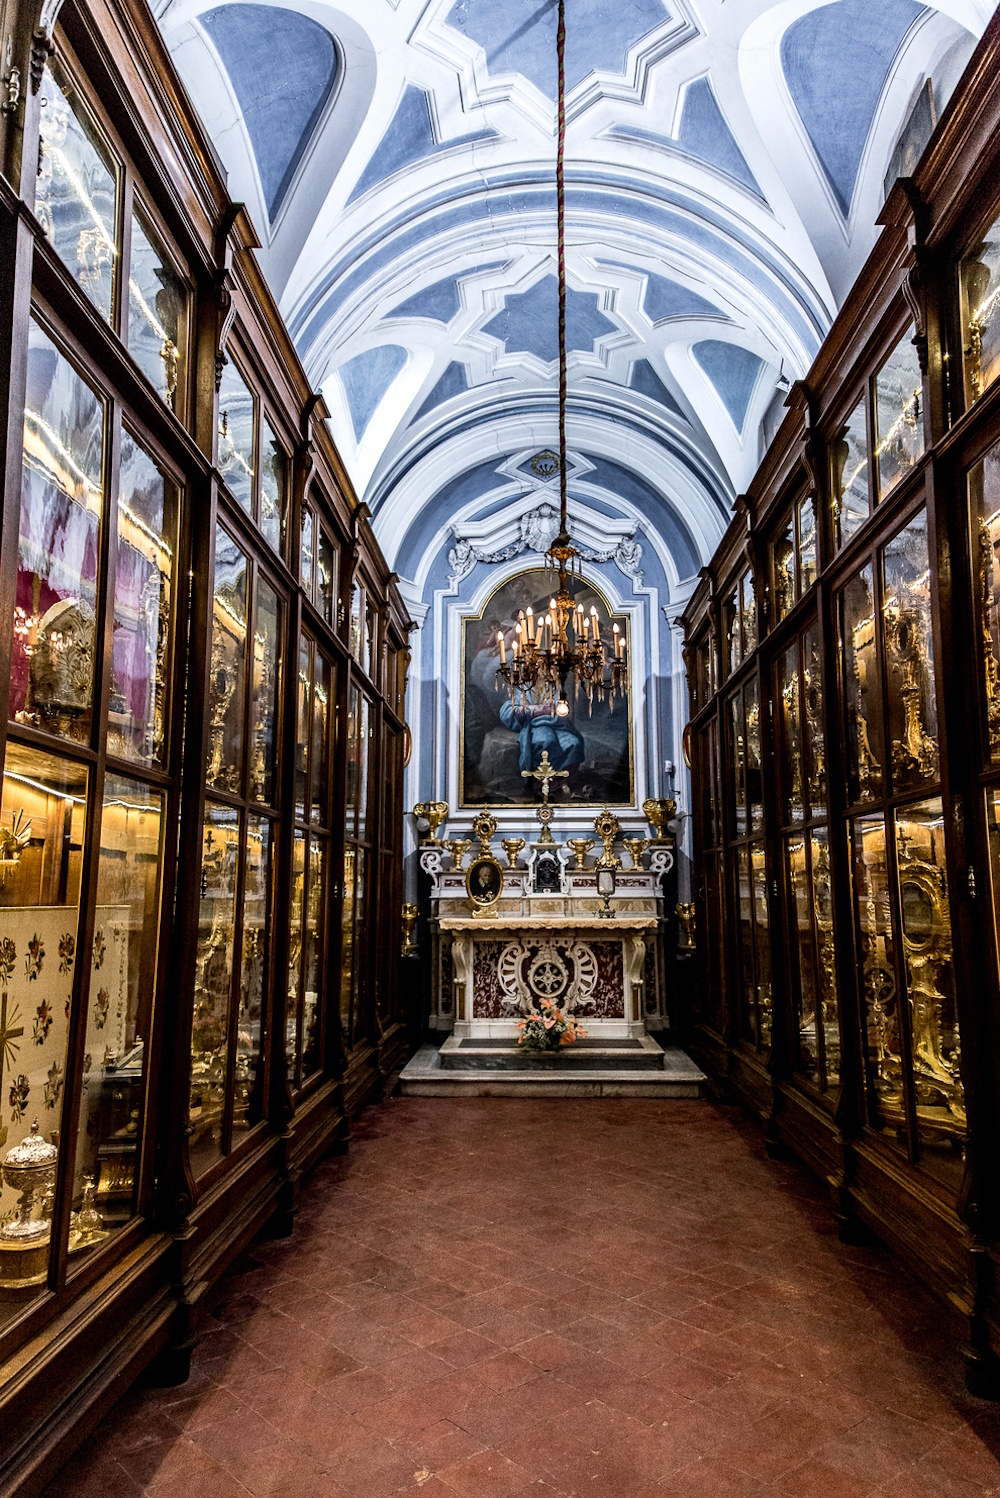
{"x": 872, "y": 523}
{"x": 173, "y": 826}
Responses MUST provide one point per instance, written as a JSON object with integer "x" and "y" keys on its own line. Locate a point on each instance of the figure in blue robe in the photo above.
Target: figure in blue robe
{"x": 538, "y": 729}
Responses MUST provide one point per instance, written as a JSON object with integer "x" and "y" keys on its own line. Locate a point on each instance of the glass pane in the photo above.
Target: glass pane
{"x": 732, "y": 631}
{"x": 790, "y": 748}
{"x": 748, "y": 613}
{"x": 755, "y": 786}
{"x": 899, "y": 415}
{"x": 355, "y": 641}
{"x": 320, "y": 760}
{"x": 353, "y": 716}
{"x": 302, "y": 731}
{"x": 41, "y": 855}
{"x": 236, "y": 457}
{"x": 147, "y": 530}
{"x": 744, "y": 915}
{"x": 360, "y": 930}
{"x": 248, "y": 1105}
{"x": 984, "y": 514}
{"x": 227, "y": 694}
{"x": 311, "y": 966}
{"x": 295, "y": 924}
{"x": 266, "y": 673}
{"x": 157, "y": 314}
{"x": 807, "y": 544}
{"x": 813, "y": 702}
{"x": 850, "y": 475}
{"x": 371, "y": 640}
{"x": 762, "y": 942}
{"x": 863, "y": 708}
{"x": 306, "y": 551}
{"x": 213, "y": 983}
{"x": 347, "y": 956}
{"x": 783, "y": 569}
{"x": 326, "y": 578}
{"x": 76, "y": 190}
{"x": 884, "y": 1054}
{"x": 980, "y": 299}
{"x": 273, "y": 480}
{"x": 738, "y": 752}
{"x": 364, "y": 766}
{"x": 822, "y": 906}
{"x": 120, "y": 1012}
{"x": 804, "y": 985}
{"x": 910, "y": 656}
{"x": 925, "y": 921}
{"x": 62, "y": 499}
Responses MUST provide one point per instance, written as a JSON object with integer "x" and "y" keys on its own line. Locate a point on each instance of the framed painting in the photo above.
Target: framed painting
{"x": 500, "y": 739}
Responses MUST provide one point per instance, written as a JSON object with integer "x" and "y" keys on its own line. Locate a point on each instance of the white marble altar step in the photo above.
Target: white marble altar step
{"x": 676, "y": 1076}
{"x": 500, "y": 1054}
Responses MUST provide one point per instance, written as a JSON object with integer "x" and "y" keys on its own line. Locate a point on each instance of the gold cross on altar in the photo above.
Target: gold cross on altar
{"x": 8, "y": 1034}
{"x": 545, "y": 773}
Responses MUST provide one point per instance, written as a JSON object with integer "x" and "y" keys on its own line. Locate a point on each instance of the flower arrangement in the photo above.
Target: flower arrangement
{"x": 548, "y": 1030}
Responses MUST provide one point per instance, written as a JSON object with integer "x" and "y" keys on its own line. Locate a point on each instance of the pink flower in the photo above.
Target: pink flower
{"x": 548, "y": 1023}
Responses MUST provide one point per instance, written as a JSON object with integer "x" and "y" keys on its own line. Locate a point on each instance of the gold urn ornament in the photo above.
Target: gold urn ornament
{"x": 434, "y": 812}
{"x": 512, "y": 847}
{"x": 636, "y": 848}
{"x": 659, "y": 811}
{"x": 581, "y": 847}
{"x": 458, "y": 847}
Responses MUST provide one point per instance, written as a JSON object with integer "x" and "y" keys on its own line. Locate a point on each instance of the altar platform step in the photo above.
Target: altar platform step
{"x": 592, "y": 1068}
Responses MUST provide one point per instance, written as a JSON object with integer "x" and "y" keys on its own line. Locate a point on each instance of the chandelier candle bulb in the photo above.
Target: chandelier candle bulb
{"x": 503, "y": 648}
{"x": 597, "y": 626}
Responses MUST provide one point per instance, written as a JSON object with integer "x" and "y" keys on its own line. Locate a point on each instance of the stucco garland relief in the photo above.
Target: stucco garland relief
{"x": 537, "y": 530}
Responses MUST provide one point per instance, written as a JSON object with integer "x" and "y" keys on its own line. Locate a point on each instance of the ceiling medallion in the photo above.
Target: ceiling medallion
{"x": 567, "y": 641}
{"x": 546, "y": 465}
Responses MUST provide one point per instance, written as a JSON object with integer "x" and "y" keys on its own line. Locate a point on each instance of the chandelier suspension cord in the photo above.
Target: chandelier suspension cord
{"x": 561, "y": 252}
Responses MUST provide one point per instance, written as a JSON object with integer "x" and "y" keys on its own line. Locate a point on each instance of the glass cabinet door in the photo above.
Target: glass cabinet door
{"x": 42, "y": 825}
{"x": 233, "y": 968}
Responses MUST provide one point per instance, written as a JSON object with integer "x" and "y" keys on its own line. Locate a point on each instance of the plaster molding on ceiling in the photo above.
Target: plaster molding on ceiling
{"x": 479, "y": 216}
{"x": 481, "y": 86}
{"x": 415, "y": 486}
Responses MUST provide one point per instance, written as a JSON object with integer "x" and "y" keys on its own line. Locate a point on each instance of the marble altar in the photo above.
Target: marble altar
{"x": 546, "y": 938}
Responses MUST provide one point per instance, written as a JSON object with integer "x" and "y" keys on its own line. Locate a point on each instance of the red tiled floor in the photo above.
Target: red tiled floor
{"x": 622, "y": 1299}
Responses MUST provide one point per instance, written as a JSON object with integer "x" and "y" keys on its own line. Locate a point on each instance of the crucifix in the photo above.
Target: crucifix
{"x": 546, "y": 772}
{"x": 8, "y": 1050}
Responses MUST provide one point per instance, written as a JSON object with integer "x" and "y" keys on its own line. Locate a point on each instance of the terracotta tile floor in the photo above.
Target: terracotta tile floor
{"x": 501, "y": 1298}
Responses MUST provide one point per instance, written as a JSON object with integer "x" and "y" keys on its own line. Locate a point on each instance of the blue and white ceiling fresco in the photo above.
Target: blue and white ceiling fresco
{"x": 725, "y": 167}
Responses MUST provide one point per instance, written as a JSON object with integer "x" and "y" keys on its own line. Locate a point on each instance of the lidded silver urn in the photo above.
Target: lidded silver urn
{"x": 29, "y": 1168}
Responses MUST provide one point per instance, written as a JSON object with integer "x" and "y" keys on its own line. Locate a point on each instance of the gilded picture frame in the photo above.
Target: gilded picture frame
{"x": 500, "y": 739}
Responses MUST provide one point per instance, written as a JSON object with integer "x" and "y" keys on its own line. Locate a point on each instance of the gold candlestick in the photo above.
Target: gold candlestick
{"x": 581, "y": 847}
{"x": 410, "y": 914}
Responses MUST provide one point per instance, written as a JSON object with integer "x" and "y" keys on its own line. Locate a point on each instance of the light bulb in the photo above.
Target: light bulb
{"x": 562, "y": 708}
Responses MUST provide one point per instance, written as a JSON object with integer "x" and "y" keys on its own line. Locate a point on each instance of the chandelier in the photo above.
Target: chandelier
{"x": 566, "y": 641}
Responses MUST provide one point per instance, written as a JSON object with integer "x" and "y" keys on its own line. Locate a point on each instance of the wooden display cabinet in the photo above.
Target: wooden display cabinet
{"x": 846, "y": 765}
{"x": 202, "y": 752}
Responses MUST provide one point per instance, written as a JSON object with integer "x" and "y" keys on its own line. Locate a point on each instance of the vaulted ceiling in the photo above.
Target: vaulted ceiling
{"x": 726, "y": 161}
